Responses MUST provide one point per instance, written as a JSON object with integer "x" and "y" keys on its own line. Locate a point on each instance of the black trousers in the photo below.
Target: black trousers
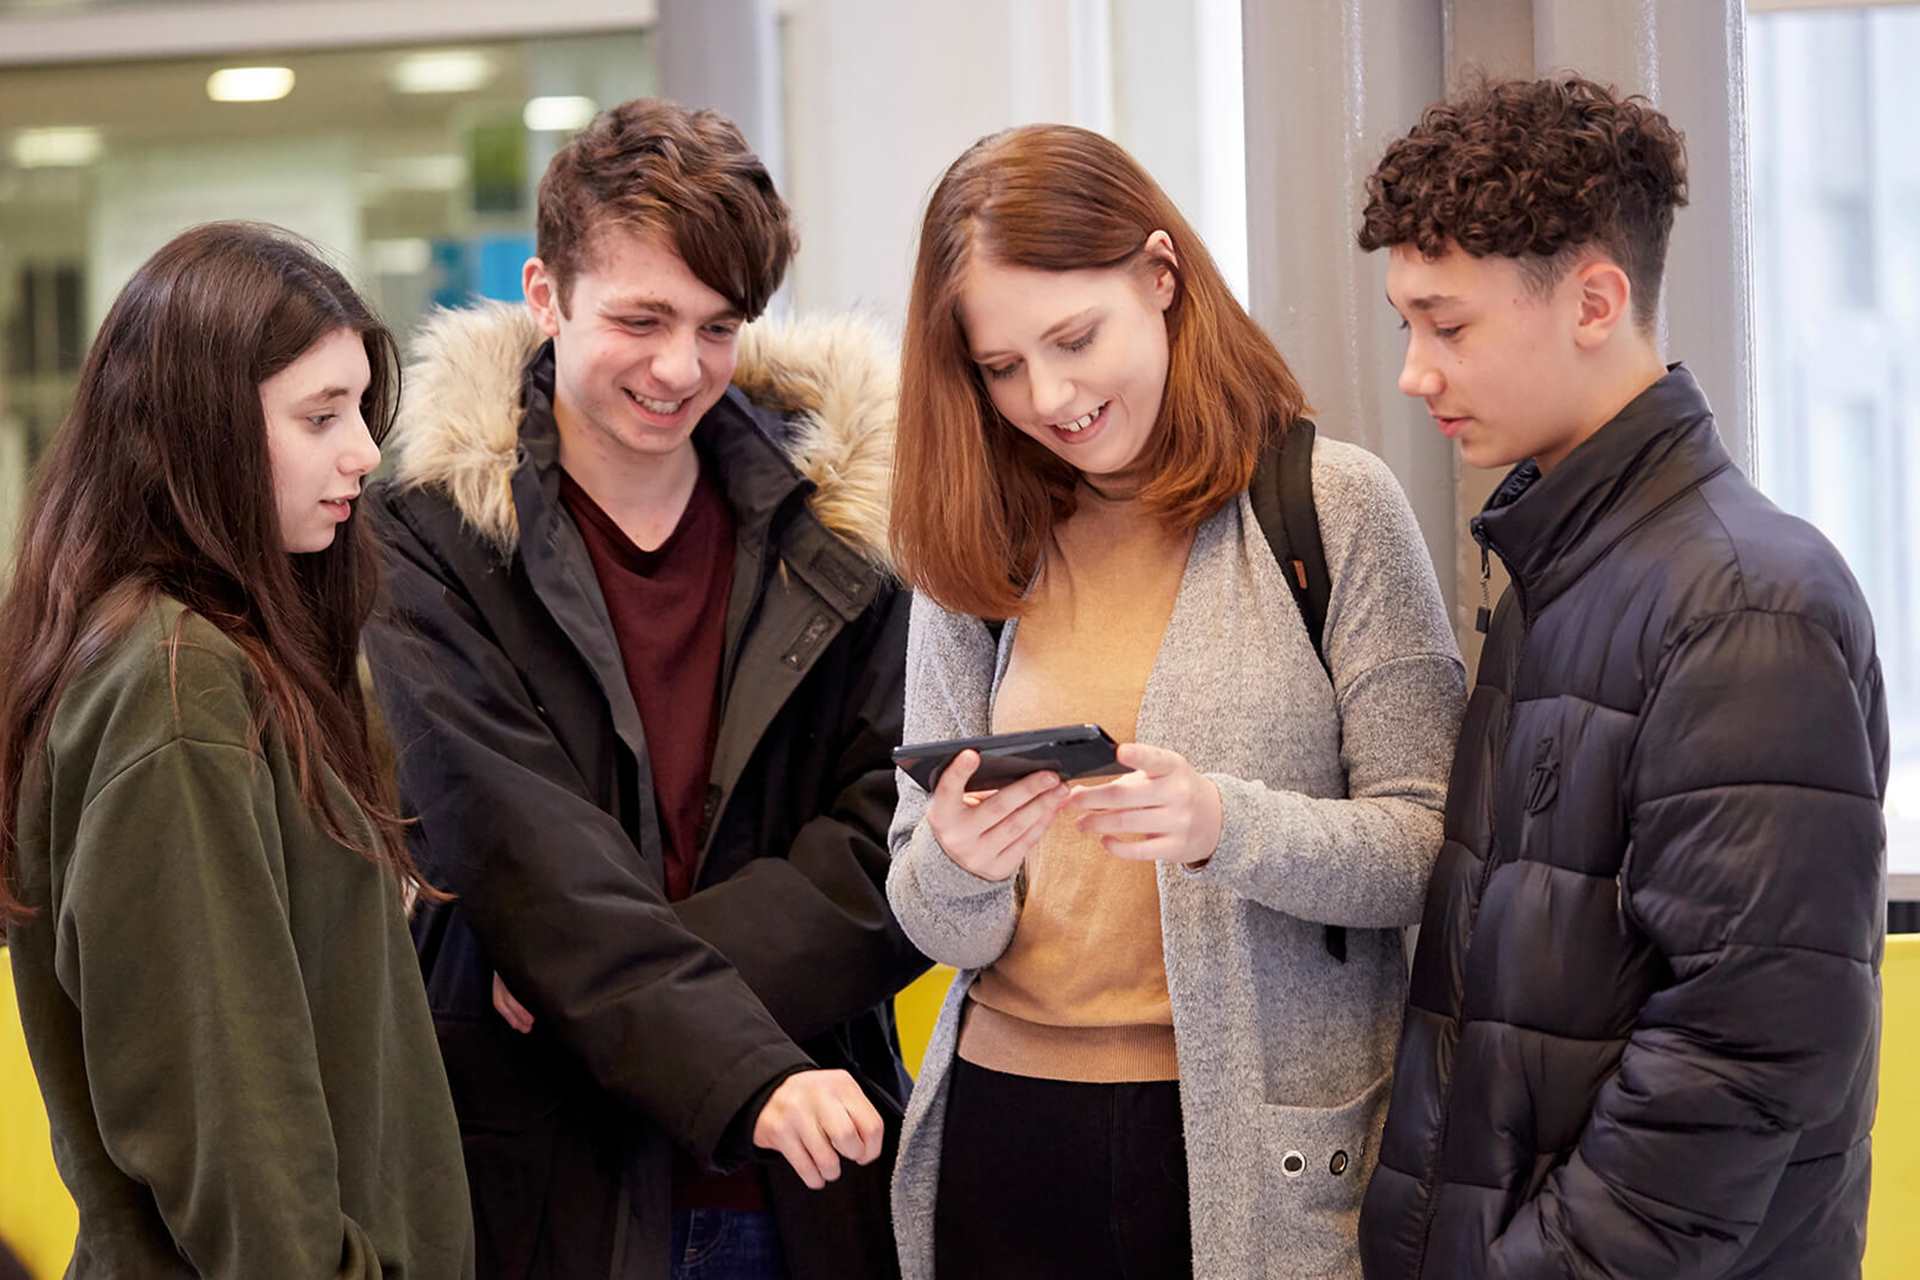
{"x": 1051, "y": 1180}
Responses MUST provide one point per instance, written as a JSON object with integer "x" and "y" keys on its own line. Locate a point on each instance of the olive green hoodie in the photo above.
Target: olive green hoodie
{"x": 222, "y": 1004}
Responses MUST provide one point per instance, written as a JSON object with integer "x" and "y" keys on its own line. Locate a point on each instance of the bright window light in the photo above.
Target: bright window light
{"x": 558, "y": 115}
{"x": 407, "y": 257}
{"x": 250, "y": 84}
{"x": 65, "y": 146}
{"x": 443, "y": 71}
{"x": 424, "y": 173}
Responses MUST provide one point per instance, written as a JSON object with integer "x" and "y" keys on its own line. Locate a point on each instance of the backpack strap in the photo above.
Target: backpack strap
{"x": 1282, "y": 496}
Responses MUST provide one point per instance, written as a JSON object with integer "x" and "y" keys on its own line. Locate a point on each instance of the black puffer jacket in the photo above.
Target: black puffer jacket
{"x": 1644, "y": 1018}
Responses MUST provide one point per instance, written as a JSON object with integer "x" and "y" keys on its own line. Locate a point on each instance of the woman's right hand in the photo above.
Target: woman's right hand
{"x": 988, "y": 833}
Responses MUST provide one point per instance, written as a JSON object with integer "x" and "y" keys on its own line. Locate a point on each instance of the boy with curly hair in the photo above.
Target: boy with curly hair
{"x": 1641, "y": 1038}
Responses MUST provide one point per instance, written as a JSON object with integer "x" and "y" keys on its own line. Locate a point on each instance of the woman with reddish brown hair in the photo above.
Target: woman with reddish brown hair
{"x": 202, "y": 868}
{"x": 1170, "y": 1046}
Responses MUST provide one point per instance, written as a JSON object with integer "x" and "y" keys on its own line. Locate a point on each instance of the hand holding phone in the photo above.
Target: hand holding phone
{"x": 990, "y": 835}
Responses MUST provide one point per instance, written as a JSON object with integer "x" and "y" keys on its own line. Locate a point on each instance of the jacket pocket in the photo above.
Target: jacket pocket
{"x": 1314, "y": 1167}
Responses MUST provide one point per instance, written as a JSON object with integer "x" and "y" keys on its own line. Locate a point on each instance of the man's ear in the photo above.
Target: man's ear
{"x": 1605, "y": 295}
{"x": 542, "y": 295}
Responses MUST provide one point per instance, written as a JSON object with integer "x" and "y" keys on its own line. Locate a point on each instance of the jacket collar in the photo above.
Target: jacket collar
{"x": 1550, "y": 529}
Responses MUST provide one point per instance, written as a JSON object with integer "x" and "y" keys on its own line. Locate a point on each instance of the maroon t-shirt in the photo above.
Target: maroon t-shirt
{"x": 669, "y": 610}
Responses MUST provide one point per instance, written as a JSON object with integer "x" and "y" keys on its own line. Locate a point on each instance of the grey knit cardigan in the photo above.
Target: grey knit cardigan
{"x": 1332, "y": 796}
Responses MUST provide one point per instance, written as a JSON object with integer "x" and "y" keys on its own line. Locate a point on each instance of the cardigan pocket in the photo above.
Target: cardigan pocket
{"x": 1314, "y": 1167}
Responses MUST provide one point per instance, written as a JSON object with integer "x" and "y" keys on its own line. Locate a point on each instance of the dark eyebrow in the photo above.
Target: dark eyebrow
{"x": 662, "y": 308}
{"x": 331, "y": 393}
{"x": 1048, "y": 336}
{"x": 1427, "y": 303}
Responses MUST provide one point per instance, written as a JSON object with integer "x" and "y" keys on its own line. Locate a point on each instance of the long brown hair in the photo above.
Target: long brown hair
{"x": 160, "y": 483}
{"x": 974, "y": 499}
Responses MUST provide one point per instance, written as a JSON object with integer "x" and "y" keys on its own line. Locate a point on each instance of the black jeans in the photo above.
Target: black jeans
{"x": 1050, "y": 1180}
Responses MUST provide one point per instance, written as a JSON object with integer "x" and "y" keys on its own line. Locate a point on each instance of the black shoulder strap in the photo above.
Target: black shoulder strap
{"x": 1282, "y": 494}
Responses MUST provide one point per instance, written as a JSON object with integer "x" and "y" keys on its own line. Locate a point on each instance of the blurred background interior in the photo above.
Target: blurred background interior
{"x": 407, "y": 138}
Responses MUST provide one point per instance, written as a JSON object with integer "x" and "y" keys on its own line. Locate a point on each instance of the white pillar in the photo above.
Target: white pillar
{"x": 725, "y": 54}
{"x": 1327, "y": 87}
{"x": 1689, "y": 57}
{"x": 860, "y": 170}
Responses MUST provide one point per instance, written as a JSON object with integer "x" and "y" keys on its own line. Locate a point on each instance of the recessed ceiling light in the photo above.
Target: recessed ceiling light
{"x": 558, "y": 115}
{"x": 443, "y": 71}
{"x": 250, "y": 84}
{"x": 59, "y": 146}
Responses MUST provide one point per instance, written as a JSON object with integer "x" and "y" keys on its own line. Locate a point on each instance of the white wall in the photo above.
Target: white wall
{"x": 882, "y": 95}
{"x": 859, "y": 169}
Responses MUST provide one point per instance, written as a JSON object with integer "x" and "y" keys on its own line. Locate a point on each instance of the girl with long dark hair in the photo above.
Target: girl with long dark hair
{"x": 201, "y": 863}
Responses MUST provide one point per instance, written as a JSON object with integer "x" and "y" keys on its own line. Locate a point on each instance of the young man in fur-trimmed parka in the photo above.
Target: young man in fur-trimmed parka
{"x": 642, "y": 670}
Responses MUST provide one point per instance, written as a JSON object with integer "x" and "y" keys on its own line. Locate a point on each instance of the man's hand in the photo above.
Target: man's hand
{"x": 813, "y": 1119}
{"x": 512, "y": 1010}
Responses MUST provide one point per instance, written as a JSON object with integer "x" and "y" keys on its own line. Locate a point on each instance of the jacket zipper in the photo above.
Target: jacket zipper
{"x": 1429, "y": 1183}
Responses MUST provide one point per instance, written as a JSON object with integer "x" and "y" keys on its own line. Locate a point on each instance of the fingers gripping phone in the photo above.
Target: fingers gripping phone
{"x": 1070, "y": 750}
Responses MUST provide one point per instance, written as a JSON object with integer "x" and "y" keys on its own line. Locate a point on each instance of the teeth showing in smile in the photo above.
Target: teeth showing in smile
{"x": 665, "y": 408}
{"x": 1080, "y": 423}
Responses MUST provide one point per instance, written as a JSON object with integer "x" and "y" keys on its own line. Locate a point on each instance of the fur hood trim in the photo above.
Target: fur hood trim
{"x": 837, "y": 379}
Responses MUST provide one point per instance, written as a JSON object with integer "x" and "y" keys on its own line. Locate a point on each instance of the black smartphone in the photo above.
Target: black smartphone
{"x": 1070, "y": 750}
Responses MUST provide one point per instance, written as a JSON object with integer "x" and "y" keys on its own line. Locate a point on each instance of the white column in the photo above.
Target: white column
{"x": 1327, "y": 87}
{"x": 882, "y": 96}
{"x": 725, "y": 54}
{"x": 1689, "y": 57}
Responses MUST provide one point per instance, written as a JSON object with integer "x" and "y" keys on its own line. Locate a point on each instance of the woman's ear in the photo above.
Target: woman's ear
{"x": 1165, "y": 265}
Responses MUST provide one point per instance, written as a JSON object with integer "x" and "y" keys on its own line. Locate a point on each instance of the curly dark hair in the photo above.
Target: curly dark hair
{"x": 1536, "y": 170}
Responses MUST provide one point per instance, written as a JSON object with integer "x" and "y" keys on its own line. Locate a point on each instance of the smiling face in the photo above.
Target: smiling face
{"x": 317, "y": 439}
{"x": 1496, "y": 362}
{"x": 642, "y": 351}
{"x": 1077, "y": 360}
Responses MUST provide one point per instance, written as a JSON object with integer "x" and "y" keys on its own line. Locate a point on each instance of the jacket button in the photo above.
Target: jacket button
{"x": 1293, "y": 1164}
{"x": 1338, "y": 1165}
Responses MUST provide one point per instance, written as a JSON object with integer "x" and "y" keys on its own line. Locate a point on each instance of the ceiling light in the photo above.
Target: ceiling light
{"x": 447, "y": 71}
{"x": 61, "y": 146}
{"x": 250, "y": 84}
{"x": 558, "y": 115}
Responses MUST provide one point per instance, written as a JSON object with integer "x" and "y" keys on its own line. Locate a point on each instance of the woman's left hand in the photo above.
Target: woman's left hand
{"x": 1164, "y": 811}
